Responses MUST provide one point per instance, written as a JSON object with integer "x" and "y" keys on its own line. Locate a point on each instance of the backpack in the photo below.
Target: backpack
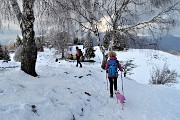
{"x": 80, "y": 52}
{"x": 113, "y": 67}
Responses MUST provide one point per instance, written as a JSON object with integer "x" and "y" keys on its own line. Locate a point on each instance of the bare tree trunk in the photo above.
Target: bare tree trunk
{"x": 29, "y": 53}
{"x": 103, "y": 51}
{"x": 62, "y": 50}
{"x": 26, "y": 21}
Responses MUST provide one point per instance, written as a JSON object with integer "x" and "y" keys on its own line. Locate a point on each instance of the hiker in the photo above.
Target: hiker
{"x": 78, "y": 55}
{"x": 112, "y": 66}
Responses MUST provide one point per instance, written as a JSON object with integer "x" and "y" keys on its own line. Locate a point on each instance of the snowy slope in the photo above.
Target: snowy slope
{"x": 65, "y": 92}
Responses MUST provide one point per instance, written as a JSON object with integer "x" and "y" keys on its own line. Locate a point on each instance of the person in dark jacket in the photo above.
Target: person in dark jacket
{"x": 112, "y": 79}
{"x": 78, "y": 55}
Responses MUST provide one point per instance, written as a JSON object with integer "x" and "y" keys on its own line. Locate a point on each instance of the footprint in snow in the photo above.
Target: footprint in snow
{"x": 88, "y": 75}
{"x": 66, "y": 72}
{"x": 80, "y": 76}
{"x": 87, "y": 93}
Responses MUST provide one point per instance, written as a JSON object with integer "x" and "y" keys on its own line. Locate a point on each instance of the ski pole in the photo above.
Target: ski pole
{"x": 122, "y": 84}
{"x": 107, "y": 81}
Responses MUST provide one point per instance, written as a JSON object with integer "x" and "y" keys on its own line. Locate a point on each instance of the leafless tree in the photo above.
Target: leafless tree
{"x": 60, "y": 28}
{"x": 60, "y": 41}
{"x": 127, "y": 18}
{"x": 10, "y": 9}
{"x": 133, "y": 17}
{"x": 25, "y": 12}
{"x": 86, "y": 13}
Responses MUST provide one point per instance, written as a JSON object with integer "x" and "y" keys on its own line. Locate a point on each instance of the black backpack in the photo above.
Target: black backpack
{"x": 80, "y": 52}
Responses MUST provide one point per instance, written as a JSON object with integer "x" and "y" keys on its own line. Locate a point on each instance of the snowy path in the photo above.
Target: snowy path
{"x": 142, "y": 101}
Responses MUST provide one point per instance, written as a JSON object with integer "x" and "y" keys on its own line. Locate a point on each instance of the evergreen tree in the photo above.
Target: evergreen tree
{"x": 120, "y": 41}
{"x": 106, "y": 40}
{"x": 6, "y": 55}
{"x": 88, "y": 44}
{"x": 1, "y": 53}
{"x": 89, "y": 53}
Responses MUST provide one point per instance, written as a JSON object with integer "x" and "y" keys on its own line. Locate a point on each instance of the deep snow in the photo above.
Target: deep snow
{"x": 65, "y": 92}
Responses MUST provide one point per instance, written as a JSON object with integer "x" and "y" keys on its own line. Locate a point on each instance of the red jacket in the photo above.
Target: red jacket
{"x": 78, "y": 53}
{"x": 107, "y": 65}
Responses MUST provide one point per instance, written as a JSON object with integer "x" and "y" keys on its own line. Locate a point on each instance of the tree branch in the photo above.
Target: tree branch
{"x": 17, "y": 10}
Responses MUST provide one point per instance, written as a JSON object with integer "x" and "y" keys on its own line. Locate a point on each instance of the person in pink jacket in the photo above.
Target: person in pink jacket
{"x": 114, "y": 64}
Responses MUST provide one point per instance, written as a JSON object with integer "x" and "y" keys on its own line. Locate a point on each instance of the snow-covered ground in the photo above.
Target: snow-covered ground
{"x": 66, "y": 92}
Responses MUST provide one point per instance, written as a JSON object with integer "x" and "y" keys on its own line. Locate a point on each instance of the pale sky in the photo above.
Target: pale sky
{"x": 11, "y": 34}
{"x": 8, "y": 35}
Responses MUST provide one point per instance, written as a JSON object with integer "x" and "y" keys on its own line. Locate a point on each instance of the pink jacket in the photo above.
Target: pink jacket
{"x": 107, "y": 66}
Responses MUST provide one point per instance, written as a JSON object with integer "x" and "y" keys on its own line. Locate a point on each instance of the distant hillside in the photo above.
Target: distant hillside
{"x": 170, "y": 44}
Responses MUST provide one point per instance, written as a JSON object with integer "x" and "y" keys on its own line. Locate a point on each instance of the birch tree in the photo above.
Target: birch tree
{"x": 86, "y": 13}
{"x": 25, "y": 18}
{"x": 127, "y": 19}
{"x": 60, "y": 41}
{"x": 24, "y": 12}
{"x": 132, "y": 17}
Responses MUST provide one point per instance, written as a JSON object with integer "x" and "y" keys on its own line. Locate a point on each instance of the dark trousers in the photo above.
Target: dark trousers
{"x": 78, "y": 61}
{"x": 112, "y": 82}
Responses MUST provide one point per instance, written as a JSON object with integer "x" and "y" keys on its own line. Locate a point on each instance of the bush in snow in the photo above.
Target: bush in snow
{"x": 17, "y": 55}
{"x": 163, "y": 76}
{"x": 6, "y": 55}
{"x": 89, "y": 53}
{"x": 1, "y": 53}
{"x": 128, "y": 66}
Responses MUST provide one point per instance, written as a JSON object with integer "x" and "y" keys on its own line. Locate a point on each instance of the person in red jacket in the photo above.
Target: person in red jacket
{"x": 112, "y": 78}
{"x": 78, "y": 55}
